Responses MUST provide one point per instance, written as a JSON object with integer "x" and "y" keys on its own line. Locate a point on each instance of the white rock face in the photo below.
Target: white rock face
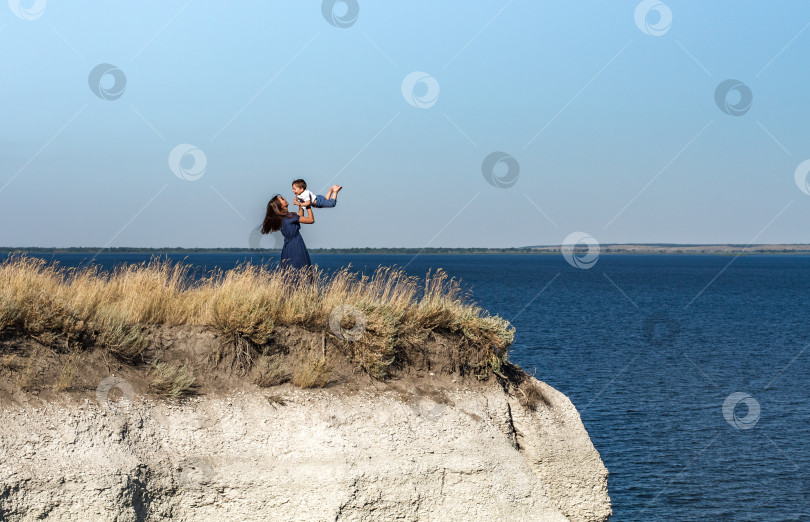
{"x": 322, "y": 455}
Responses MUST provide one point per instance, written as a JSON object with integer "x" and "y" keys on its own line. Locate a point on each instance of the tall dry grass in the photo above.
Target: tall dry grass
{"x": 63, "y": 306}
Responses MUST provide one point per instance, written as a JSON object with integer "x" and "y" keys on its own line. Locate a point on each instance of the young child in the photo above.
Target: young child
{"x": 306, "y": 198}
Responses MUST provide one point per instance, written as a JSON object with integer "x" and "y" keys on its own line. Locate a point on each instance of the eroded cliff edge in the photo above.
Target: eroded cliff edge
{"x": 428, "y": 449}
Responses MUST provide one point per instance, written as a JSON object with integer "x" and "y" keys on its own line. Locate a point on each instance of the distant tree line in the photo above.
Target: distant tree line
{"x": 662, "y": 248}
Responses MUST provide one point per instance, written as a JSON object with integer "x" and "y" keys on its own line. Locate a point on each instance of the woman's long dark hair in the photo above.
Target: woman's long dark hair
{"x": 275, "y": 213}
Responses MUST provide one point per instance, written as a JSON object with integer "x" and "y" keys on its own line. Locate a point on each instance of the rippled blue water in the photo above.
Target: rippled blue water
{"x": 649, "y": 348}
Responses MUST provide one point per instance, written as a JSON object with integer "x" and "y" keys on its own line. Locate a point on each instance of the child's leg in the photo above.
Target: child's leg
{"x": 333, "y": 191}
{"x": 322, "y": 202}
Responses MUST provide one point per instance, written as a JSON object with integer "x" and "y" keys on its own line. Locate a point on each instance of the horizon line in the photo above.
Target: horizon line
{"x": 636, "y": 244}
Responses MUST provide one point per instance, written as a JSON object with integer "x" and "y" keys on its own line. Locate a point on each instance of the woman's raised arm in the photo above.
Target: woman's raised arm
{"x": 309, "y": 219}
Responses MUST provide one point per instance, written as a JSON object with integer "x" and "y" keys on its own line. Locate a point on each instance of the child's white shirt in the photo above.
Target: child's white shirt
{"x": 306, "y": 195}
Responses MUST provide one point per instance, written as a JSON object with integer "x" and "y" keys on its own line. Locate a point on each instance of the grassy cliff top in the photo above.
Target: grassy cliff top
{"x": 268, "y": 325}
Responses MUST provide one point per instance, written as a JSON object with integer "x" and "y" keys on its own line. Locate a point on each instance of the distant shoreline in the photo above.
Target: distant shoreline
{"x": 627, "y": 248}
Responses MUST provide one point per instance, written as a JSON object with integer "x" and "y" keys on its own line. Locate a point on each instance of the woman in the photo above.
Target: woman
{"x": 294, "y": 252}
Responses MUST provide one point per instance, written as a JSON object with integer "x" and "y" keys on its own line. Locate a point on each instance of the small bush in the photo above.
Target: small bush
{"x": 68, "y": 371}
{"x": 124, "y": 340}
{"x": 270, "y": 372}
{"x": 314, "y": 372}
{"x": 170, "y": 380}
{"x": 375, "y": 360}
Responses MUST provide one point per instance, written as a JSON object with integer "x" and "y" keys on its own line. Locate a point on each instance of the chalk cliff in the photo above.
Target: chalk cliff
{"x": 425, "y": 449}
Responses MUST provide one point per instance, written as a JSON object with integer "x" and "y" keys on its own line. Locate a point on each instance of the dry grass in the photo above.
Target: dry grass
{"x": 61, "y": 307}
{"x": 276, "y": 399}
{"x": 29, "y": 375}
{"x": 68, "y": 371}
{"x": 531, "y": 396}
{"x": 313, "y": 372}
{"x": 171, "y": 381}
{"x": 9, "y": 361}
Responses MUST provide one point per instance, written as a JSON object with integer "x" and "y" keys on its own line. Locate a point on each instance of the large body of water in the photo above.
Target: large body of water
{"x": 650, "y": 349}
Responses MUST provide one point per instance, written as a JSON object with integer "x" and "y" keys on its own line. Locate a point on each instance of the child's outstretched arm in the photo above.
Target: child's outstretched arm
{"x": 306, "y": 220}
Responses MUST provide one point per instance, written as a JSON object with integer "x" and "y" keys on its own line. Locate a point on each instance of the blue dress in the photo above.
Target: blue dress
{"x": 294, "y": 252}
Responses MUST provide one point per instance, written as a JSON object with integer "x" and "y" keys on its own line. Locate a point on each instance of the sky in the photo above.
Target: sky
{"x": 449, "y": 124}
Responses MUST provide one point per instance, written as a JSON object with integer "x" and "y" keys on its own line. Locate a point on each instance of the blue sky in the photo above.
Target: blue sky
{"x": 616, "y": 132}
